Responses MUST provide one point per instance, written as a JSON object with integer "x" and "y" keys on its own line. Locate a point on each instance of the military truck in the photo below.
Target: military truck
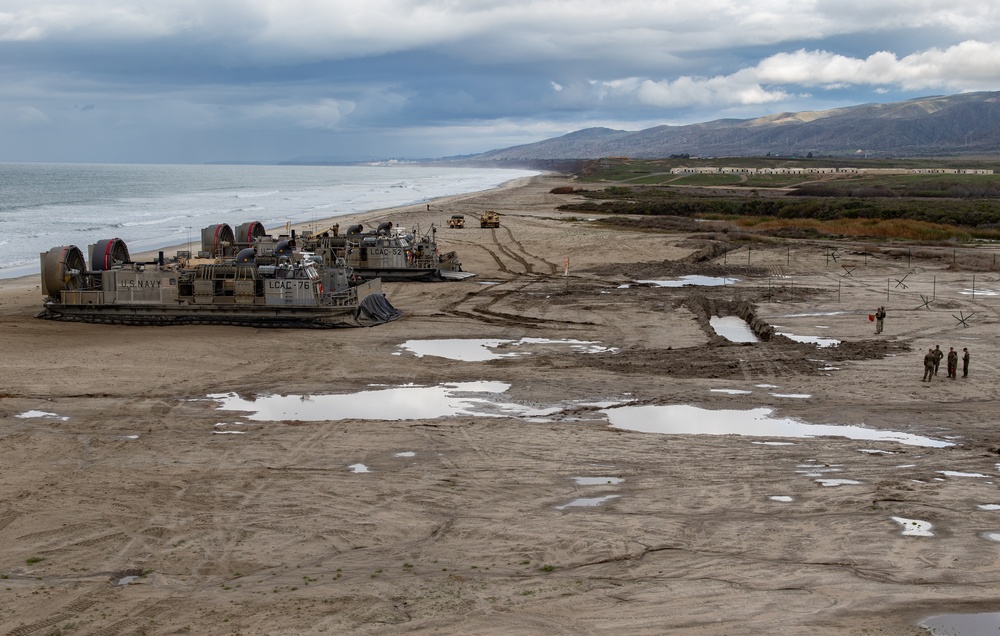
{"x": 489, "y": 218}
{"x": 456, "y": 221}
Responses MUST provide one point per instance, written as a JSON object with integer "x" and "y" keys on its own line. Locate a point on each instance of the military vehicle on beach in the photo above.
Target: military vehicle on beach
{"x": 389, "y": 253}
{"x": 456, "y": 221}
{"x": 489, "y": 218}
{"x": 238, "y": 278}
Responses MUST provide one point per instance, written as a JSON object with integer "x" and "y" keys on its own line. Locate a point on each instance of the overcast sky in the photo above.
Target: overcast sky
{"x": 270, "y": 80}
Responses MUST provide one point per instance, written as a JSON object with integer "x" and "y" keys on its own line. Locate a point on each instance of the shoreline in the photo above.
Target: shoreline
{"x": 369, "y": 218}
{"x": 169, "y": 251}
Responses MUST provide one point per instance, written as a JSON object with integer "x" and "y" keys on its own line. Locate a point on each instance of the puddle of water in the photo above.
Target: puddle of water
{"x": 731, "y": 391}
{"x": 130, "y": 437}
{"x": 991, "y": 536}
{"x": 32, "y": 414}
{"x": 405, "y": 454}
{"x": 358, "y": 468}
{"x": 833, "y": 483}
{"x": 483, "y": 349}
{"x": 774, "y": 443}
{"x": 597, "y": 481}
{"x": 968, "y": 291}
{"x": 781, "y": 498}
{"x": 797, "y": 396}
{"x": 907, "y": 466}
{"x": 988, "y": 507}
{"x": 583, "y": 346}
{"x": 819, "y": 341}
{"x": 986, "y": 624}
{"x": 462, "y": 349}
{"x": 392, "y": 404}
{"x": 694, "y": 280}
{"x": 733, "y": 328}
{"x": 955, "y": 473}
{"x": 914, "y": 527}
{"x": 682, "y": 419}
{"x": 766, "y": 386}
{"x": 222, "y": 430}
{"x": 587, "y": 502}
{"x": 125, "y": 580}
{"x": 811, "y": 315}
{"x": 873, "y": 451}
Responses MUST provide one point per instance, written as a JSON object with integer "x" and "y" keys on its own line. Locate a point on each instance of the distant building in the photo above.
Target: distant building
{"x": 822, "y": 170}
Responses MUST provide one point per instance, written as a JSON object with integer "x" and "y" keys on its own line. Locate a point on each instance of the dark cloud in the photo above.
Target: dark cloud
{"x": 205, "y": 80}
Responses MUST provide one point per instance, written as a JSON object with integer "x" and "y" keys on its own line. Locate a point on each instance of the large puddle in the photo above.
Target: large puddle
{"x": 819, "y": 341}
{"x": 484, "y": 398}
{"x": 396, "y": 403}
{"x": 693, "y": 280}
{"x": 733, "y": 328}
{"x": 986, "y": 624}
{"x": 483, "y": 349}
{"x": 682, "y": 419}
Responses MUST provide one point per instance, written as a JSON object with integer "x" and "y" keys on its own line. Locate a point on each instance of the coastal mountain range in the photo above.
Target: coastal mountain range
{"x": 937, "y": 126}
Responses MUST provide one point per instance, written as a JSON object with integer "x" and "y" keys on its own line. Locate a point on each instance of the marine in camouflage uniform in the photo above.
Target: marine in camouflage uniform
{"x": 929, "y": 360}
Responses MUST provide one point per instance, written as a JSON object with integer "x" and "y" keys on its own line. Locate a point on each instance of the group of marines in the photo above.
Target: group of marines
{"x": 933, "y": 360}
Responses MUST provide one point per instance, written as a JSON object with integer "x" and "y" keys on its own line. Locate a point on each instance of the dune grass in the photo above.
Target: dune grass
{"x": 896, "y": 229}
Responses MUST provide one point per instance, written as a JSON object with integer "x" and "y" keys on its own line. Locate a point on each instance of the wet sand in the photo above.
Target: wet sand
{"x": 119, "y": 463}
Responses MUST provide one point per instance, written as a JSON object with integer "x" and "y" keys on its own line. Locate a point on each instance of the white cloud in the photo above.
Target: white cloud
{"x": 971, "y": 65}
{"x": 968, "y": 66}
{"x": 84, "y": 20}
{"x": 513, "y": 29}
{"x": 716, "y": 91}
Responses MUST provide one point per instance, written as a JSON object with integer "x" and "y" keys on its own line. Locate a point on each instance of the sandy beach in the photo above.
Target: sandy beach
{"x": 131, "y": 502}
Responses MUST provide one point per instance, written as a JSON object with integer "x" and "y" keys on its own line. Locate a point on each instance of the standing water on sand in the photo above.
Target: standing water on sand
{"x": 156, "y": 206}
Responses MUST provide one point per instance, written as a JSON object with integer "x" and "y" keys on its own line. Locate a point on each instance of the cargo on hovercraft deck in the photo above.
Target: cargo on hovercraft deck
{"x": 388, "y": 253}
{"x": 265, "y": 284}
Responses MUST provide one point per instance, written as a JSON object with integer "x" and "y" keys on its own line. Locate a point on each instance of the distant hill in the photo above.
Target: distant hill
{"x": 963, "y": 124}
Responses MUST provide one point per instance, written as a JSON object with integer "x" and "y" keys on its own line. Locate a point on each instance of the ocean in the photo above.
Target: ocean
{"x": 44, "y": 205}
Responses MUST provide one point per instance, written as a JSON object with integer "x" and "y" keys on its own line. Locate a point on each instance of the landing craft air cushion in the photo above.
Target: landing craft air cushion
{"x": 265, "y": 284}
